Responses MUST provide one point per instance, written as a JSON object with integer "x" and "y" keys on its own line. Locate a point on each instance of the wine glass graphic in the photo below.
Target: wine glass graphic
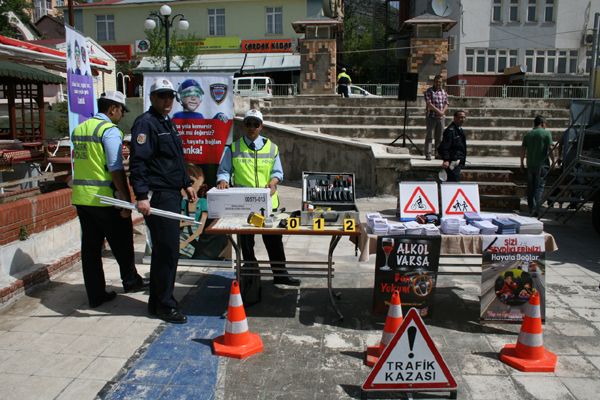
{"x": 387, "y": 244}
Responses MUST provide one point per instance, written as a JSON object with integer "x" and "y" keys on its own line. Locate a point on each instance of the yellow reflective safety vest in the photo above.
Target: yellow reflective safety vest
{"x": 90, "y": 173}
{"x": 252, "y": 168}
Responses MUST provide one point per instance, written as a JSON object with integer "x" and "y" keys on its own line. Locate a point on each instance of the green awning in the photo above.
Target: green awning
{"x": 29, "y": 74}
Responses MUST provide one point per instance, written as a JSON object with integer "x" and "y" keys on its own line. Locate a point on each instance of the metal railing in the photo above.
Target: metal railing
{"x": 531, "y": 92}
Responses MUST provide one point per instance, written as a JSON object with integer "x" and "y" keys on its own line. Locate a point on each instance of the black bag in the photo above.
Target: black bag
{"x": 250, "y": 285}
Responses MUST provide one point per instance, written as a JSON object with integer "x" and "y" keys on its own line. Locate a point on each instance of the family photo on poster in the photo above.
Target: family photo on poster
{"x": 203, "y": 114}
{"x": 513, "y": 269}
{"x": 80, "y": 83}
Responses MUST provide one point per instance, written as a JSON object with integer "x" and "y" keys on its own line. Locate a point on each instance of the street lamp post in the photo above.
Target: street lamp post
{"x": 165, "y": 19}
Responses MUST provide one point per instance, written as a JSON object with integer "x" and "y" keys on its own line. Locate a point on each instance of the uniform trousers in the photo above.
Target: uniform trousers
{"x": 97, "y": 224}
{"x": 164, "y": 235}
{"x": 274, "y": 246}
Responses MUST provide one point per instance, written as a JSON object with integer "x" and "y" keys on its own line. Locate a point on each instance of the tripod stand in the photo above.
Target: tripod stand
{"x": 403, "y": 135}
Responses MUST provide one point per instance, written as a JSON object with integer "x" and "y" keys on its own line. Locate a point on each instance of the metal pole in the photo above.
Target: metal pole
{"x": 594, "y": 57}
{"x": 167, "y": 44}
{"x": 71, "y": 15}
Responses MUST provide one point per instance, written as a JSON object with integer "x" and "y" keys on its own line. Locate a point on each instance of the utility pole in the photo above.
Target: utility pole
{"x": 594, "y": 56}
{"x": 71, "y": 15}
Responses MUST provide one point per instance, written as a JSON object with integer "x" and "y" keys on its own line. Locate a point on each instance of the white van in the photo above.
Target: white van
{"x": 253, "y": 86}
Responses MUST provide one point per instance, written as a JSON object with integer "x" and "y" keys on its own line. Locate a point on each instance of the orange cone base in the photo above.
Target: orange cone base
{"x": 546, "y": 364}
{"x": 254, "y": 345}
{"x": 372, "y": 355}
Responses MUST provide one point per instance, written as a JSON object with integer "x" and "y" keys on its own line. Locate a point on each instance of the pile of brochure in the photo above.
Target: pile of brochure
{"x": 485, "y": 227}
{"x": 451, "y": 226}
{"x": 380, "y": 226}
{"x": 505, "y": 226}
{"x": 469, "y": 230}
{"x": 528, "y": 225}
{"x": 487, "y": 216}
{"x": 396, "y": 228}
{"x": 431, "y": 230}
{"x": 413, "y": 228}
{"x": 471, "y": 216}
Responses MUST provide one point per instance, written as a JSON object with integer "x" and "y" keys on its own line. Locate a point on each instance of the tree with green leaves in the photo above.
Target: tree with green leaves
{"x": 21, "y": 8}
{"x": 184, "y": 49}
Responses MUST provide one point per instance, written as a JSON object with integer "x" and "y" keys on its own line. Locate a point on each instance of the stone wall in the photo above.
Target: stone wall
{"x": 428, "y": 57}
{"x": 317, "y": 66}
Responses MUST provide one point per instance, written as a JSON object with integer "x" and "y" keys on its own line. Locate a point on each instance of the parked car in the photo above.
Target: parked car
{"x": 357, "y": 91}
{"x": 253, "y": 86}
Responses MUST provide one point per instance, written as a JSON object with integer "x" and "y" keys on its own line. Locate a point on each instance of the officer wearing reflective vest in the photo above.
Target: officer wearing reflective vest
{"x": 158, "y": 175}
{"x": 253, "y": 161}
{"x": 98, "y": 169}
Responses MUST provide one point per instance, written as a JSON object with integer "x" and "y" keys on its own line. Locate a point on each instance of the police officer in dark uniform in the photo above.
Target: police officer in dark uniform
{"x": 158, "y": 175}
{"x": 453, "y": 149}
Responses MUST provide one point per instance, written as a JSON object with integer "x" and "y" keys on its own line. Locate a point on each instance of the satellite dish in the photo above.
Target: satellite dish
{"x": 441, "y": 8}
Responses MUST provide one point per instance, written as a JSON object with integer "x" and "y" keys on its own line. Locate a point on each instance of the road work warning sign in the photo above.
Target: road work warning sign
{"x": 458, "y": 198}
{"x": 411, "y": 362}
{"x": 417, "y": 198}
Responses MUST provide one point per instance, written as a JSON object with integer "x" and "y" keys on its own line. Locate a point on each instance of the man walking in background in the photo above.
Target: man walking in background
{"x": 98, "y": 169}
{"x": 344, "y": 81}
{"x": 436, "y": 104}
{"x": 536, "y": 148}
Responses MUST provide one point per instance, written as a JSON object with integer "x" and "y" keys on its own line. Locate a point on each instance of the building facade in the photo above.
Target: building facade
{"x": 550, "y": 40}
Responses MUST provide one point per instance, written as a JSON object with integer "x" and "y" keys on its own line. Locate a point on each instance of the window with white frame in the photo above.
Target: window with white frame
{"x": 549, "y": 11}
{"x": 60, "y": 3}
{"x": 551, "y": 61}
{"x": 490, "y": 61}
{"x": 497, "y": 11}
{"x": 105, "y": 27}
{"x": 40, "y": 9}
{"x": 216, "y": 22}
{"x": 531, "y": 10}
{"x": 274, "y": 20}
{"x": 513, "y": 11}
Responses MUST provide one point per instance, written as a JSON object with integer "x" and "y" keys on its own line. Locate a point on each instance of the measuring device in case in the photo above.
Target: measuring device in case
{"x": 328, "y": 195}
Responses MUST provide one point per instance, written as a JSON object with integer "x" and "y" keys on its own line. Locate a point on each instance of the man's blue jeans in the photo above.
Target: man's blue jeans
{"x": 536, "y": 179}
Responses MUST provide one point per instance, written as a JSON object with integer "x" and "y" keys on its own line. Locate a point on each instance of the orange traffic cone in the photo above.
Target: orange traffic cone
{"x": 529, "y": 354}
{"x": 392, "y": 323}
{"x": 237, "y": 342}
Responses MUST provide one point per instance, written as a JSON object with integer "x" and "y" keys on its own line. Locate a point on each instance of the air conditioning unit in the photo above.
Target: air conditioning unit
{"x": 587, "y": 39}
{"x": 451, "y": 43}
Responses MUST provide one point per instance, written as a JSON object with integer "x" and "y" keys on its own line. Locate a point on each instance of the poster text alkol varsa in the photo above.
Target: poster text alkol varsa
{"x": 413, "y": 255}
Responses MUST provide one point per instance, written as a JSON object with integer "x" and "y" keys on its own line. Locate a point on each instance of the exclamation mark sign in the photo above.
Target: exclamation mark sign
{"x": 412, "y": 334}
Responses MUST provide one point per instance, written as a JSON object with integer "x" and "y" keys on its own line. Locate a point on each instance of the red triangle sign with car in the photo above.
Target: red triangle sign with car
{"x": 411, "y": 362}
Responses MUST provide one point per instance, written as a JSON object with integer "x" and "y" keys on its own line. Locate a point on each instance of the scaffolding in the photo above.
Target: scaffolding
{"x": 579, "y": 151}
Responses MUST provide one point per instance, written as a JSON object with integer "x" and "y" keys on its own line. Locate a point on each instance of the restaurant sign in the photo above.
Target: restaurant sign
{"x": 267, "y": 46}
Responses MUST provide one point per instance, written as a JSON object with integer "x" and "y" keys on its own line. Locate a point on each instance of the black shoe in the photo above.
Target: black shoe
{"x": 108, "y": 296}
{"x": 428, "y": 157}
{"x": 286, "y": 280}
{"x": 171, "y": 315}
{"x": 152, "y": 309}
{"x": 140, "y": 285}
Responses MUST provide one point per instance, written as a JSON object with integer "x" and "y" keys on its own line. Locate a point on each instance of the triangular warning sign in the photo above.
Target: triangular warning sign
{"x": 460, "y": 204}
{"x": 411, "y": 362}
{"x": 419, "y": 204}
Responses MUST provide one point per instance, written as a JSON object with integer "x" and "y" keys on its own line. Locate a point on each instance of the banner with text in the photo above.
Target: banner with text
{"x": 513, "y": 269}
{"x": 408, "y": 264}
{"x": 80, "y": 83}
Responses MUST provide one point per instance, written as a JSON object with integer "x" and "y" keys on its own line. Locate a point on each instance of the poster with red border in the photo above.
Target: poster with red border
{"x": 418, "y": 198}
{"x": 458, "y": 198}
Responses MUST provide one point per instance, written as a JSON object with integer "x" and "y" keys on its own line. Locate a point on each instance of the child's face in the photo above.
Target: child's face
{"x": 190, "y": 103}
{"x": 508, "y": 279}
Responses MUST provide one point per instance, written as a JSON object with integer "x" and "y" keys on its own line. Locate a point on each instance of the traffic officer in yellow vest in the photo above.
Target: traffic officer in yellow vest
{"x": 253, "y": 161}
{"x": 98, "y": 169}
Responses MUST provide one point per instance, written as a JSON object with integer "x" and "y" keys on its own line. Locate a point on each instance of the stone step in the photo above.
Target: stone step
{"x": 413, "y": 120}
{"x": 540, "y": 104}
{"x": 497, "y": 188}
{"x": 487, "y": 175}
{"x": 385, "y": 134}
{"x": 500, "y": 202}
{"x": 418, "y": 112}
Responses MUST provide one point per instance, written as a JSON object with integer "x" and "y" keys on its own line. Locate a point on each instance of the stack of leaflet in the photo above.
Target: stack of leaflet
{"x": 471, "y": 216}
{"x": 528, "y": 225}
{"x": 488, "y": 216}
{"x": 380, "y": 226}
{"x": 431, "y": 230}
{"x": 396, "y": 228}
{"x": 505, "y": 226}
{"x": 371, "y": 217}
{"x": 485, "y": 227}
{"x": 469, "y": 230}
{"x": 451, "y": 226}
{"x": 413, "y": 228}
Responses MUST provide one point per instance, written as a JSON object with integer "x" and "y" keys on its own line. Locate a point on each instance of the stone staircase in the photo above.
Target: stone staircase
{"x": 494, "y": 130}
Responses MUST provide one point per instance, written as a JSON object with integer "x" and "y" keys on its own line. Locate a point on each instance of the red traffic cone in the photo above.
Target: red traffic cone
{"x": 529, "y": 354}
{"x": 392, "y": 323}
{"x": 237, "y": 342}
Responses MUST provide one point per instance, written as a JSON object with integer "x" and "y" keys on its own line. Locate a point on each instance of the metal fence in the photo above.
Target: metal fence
{"x": 531, "y": 92}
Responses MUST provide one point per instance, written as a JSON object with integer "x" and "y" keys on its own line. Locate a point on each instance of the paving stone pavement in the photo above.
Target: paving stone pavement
{"x": 53, "y": 346}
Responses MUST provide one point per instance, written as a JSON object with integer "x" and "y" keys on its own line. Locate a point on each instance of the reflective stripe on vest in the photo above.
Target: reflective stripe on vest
{"x": 252, "y": 168}
{"x": 91, "y": 176}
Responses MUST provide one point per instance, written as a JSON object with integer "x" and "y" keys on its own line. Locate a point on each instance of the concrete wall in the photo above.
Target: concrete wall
{"x": 245, "y": 19}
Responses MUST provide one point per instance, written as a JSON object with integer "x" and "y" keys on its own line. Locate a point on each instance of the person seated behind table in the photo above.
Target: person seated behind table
{"x": 201, "y": 213}
{"x": 190, "y": 96}
{"x": 507, "y": 290}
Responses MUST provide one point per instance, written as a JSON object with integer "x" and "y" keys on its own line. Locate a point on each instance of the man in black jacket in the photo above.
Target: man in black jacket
{"x": 453, "y": 149}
